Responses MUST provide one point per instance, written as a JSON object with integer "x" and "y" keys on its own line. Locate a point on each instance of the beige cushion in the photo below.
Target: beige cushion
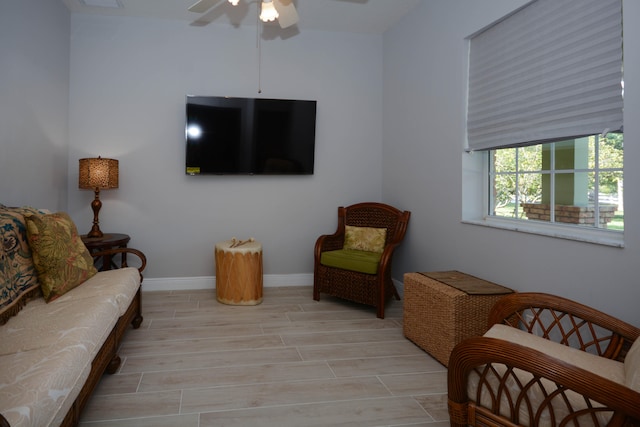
{"x": 632, "y": 367}
{"x": 365, "y": 238}
{"x": 120, "y": 285}
{"x": 604, "y": 367}
{"x": 60, "y": 324}
{"x": 38, "y": 387}
{"x": 61, "y": 259}
{"x": 46, "y": 354}
{"x": 47, "y": 349}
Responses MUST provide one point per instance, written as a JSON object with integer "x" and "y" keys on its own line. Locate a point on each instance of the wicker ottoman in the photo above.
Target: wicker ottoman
{"x": 443, "y": 308}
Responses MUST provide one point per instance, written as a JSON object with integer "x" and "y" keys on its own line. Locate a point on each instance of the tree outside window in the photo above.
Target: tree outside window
{"x": 577, "y": 182}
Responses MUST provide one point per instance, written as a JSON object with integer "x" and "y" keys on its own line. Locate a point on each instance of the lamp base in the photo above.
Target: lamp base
{"x": 95, "y": 232}
{"x": 96, "y": 204}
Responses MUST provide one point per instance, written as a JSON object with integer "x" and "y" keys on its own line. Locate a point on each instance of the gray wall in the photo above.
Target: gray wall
{"x": 129, "y": 78}
{"x": 423, "y": 128}
{"x": 34, "y": 99}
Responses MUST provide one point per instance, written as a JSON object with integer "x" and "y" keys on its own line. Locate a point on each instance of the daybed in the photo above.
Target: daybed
{"x": 547, "y": 361}
{"x": 61, "y": 320}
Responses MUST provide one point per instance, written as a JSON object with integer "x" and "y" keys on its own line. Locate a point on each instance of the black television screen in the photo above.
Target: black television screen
{"x": 249, "y": 136}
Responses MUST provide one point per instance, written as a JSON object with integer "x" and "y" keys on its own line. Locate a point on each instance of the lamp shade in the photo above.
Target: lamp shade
{"x": 98, "y": 173}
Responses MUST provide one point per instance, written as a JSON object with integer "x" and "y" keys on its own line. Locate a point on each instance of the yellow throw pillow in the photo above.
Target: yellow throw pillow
{"x": 365, "y": 238}
{"x": 61, "y": 259}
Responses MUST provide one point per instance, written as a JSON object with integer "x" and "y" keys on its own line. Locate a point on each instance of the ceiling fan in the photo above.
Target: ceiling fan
{"x": 282, "y": 10}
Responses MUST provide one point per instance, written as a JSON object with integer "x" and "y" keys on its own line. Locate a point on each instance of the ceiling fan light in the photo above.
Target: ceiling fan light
{"x": 268, "y": 12}
{"x": 234, "y": 2}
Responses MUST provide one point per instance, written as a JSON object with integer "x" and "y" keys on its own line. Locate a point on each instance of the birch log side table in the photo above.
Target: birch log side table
{"x": 239, "y": 272}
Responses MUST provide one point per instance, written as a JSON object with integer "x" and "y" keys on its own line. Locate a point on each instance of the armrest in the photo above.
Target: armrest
{"x": 386, "y": 258}
{"x": 478, "y": 354}
{"x": 567, "y": 322}
{"x": 114, "y": 251}
{"x": 328, "y": 242}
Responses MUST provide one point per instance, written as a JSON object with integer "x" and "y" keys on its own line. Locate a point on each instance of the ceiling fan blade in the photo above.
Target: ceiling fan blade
{"x": 202, "y": 6}
{"x": 288, "y": 15}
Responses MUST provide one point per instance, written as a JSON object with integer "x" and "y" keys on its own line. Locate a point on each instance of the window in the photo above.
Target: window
{"x": 576, "y": 182}
{"x": 545, "y": 111}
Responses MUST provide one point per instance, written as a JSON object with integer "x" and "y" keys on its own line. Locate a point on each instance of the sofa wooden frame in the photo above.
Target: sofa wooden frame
{"x": 560, "y": 320}
{"x": 107, "y": 359}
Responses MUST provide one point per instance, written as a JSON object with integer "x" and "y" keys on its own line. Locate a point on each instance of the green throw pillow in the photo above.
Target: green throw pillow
{"x": 365, "y": 238}
{"x": 60, "y": 257}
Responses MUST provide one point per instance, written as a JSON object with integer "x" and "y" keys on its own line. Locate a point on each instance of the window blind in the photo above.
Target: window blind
{"x": 551, "y": 70}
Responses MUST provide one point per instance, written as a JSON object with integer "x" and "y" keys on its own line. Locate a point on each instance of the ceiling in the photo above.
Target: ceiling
{"x": 359, "y": 16}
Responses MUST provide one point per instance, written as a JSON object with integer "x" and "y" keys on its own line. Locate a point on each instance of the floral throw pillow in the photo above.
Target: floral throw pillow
{"x": 18, "y": 278}
{"x": 61, "y": 259}
{"x": 365, "y": 238}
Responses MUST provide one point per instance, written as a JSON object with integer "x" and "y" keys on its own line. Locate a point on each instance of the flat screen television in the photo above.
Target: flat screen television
{"x": 249, "y": 136}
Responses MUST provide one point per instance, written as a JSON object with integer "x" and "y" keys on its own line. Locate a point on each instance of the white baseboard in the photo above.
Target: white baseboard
{"x": 209, "y": 282}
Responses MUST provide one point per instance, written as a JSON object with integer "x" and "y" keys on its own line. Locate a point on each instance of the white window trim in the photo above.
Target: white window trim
{"x": 474, "y": 183}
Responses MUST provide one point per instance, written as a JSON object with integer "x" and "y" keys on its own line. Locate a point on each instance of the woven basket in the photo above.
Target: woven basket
{"x": 438, "y": 316}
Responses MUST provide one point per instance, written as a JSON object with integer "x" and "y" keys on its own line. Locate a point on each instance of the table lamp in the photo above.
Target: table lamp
{"x": 97, "y": 174}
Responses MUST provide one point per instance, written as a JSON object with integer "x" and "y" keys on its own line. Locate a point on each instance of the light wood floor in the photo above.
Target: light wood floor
{"x": 289, "y": 361}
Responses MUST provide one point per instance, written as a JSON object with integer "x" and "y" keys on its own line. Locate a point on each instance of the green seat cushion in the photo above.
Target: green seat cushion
{"x": 349, "y": 259}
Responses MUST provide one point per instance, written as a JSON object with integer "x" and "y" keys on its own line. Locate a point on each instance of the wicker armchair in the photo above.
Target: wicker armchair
{"x": 526, "y": 374}
{"x": 365, "y": 288}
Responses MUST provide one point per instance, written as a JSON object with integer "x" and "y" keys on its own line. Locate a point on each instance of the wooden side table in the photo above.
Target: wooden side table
{"x": 239, "y": 273}
{"x": 107, "y": 241}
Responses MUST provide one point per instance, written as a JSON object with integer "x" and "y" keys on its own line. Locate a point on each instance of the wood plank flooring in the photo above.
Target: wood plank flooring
{"x": 289, "y": 361}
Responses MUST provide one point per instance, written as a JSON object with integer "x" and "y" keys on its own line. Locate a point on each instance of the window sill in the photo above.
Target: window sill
{"x": 580, "y": 234}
